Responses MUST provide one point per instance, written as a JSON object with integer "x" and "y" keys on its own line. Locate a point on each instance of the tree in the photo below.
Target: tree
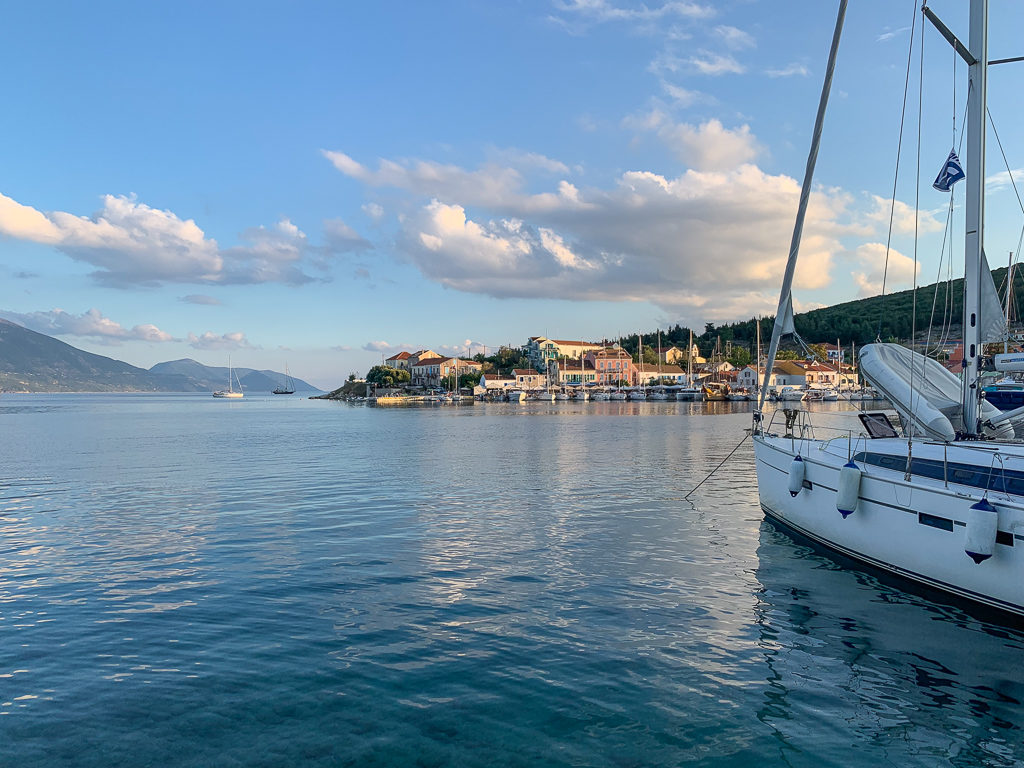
{"x": 386, "y": 376}
{"x": 740, "y": 357}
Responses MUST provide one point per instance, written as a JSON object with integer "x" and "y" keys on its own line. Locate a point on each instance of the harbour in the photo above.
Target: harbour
{"x": 504, "y": 584}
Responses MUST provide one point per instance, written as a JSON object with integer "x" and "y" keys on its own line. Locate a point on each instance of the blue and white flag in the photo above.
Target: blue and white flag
{"x": 950, "y": 174}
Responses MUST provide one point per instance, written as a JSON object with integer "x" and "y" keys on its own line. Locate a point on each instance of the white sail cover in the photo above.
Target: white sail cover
{"x": 923, "y": 392}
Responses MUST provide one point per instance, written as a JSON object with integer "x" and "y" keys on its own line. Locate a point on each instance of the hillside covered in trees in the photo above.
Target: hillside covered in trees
{"x": 890, "y": 318}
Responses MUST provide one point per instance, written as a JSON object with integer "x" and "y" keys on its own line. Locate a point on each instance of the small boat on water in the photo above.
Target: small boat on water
{"x": 716, "y": 390}
{"x": 690, "y": 393}
{"x": 288, "y": 388}
{"x": 230, "y": 391}
{"x": 617, "y": 395}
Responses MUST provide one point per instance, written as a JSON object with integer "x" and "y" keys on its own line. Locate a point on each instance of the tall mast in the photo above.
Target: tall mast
{"x": 975, "y": 208}
{"x": 784, "y": 314}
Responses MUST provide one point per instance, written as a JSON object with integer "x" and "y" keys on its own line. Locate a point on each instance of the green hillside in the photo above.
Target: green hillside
{"x": 887, "y": 317}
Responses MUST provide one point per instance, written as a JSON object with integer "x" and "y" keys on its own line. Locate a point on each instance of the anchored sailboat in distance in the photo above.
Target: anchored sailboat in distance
{"x": 288, "y": 388}
{"x": 943, "y": 503}
{"x": 230, "y": 392}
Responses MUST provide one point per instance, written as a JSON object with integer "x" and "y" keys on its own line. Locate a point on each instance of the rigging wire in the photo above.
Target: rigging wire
{"x": 896, "y": 174}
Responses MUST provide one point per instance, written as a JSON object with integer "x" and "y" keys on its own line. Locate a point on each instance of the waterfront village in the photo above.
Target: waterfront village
{"x": 558, "y": 369}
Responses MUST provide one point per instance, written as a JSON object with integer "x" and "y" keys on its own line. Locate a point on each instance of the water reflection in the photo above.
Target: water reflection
{"x": 913, "y": 677}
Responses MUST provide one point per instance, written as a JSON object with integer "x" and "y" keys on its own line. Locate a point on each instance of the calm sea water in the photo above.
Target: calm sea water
{"x": 277, "y": 581}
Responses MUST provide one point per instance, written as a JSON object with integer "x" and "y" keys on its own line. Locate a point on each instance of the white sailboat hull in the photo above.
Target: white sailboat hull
{"x": 914, "y": 529}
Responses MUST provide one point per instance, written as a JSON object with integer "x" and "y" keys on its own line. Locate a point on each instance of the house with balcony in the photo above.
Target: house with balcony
{"x": 422, "y": 354}
{"x": 528, "y": 379}
{"x": 611, "y": 366}
{"x": 821, "y": 375}
{"x": 399, "y": 361}
{"x": 648, "y": 374}
{"x": 576, "y": 372}
{"x": 434, "y": 371}
{"x": 540, "y": 349}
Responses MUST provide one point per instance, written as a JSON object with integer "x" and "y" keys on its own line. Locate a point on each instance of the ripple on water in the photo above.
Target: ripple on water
{"x": 297, "y": 583}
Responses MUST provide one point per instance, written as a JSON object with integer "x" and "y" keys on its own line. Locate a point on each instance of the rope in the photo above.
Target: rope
{"x": 896, "y": 174}
{"x": 720, "y": 465}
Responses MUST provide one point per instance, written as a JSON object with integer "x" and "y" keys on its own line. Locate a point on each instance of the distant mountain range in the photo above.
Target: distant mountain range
{"x": 35, "y": 362}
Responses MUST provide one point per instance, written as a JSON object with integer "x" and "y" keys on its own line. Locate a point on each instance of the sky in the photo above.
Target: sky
{"x": 324, "y": 184}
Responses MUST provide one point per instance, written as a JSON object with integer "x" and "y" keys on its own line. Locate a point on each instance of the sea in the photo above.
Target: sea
{"x": 280, "y": 581}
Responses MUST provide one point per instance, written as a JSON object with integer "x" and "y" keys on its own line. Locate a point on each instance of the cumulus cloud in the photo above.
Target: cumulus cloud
{"x": 708, "y": 146}
{"x": 704, "y": 239}
{"x": 90, "y": 324}
{"x": 225, "y": 341}
{"x": 871, "y": 261}
{"x": 132, "y": 244}
{"x": 490, "y": 186}
{"x": 903, "y": 217}
{"x": 198, "y": 298}
{"x": 712, "y": 240}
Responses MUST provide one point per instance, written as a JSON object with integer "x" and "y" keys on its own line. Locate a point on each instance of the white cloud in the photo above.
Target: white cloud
{"x": 683, "y": 97}
{"x": 92, "y": 324}
{"x": 734, "y": 38}
{"x": 872, "y": 269}
{"x": 339, "y": 237}
{"x": 788, "y": 71}
{"x": 132, "y": 244}
{"x": 373, "y": 210}
{"x": 710, "y": 63}
{"x": 491, "y": 186}
{"x": 999, "y": 181}
{"x": 604, "y": 11}
{"x": 890, "y": 34}
{"x": 198, "y": 298}
{"x": 705, "y": 239}
{"x": 708, "y": 146}
{"x": 226, "y": 341}
{"x": 903, "y": 219}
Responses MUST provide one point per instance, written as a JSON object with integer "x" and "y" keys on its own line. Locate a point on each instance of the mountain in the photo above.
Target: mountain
{"x": 35, "y": 362}
{"x": 208, "y": 377}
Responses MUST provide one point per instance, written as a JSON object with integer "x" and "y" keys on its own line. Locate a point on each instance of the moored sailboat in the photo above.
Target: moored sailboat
{"x": 943, "y": 503}
{"x": 230, "y": 392}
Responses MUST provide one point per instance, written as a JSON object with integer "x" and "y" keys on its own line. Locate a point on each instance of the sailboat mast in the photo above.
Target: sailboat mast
{"x": 784, "y": 314}
{"x": 975, "y": 209}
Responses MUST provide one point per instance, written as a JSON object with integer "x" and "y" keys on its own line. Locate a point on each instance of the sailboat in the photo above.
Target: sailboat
{"x": 941, "y": 501}
{"x": 690, "y": 392}
{"x": 288, "y": 388}
{"x": 230, "y": 392}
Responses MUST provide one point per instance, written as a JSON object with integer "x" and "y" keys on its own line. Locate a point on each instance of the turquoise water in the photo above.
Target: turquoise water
{"x": 193, "y": 582}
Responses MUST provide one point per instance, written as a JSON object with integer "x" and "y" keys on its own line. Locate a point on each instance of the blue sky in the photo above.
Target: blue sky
{"x": 326, "y": 183}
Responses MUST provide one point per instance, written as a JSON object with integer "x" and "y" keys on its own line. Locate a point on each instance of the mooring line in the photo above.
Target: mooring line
{"x": 712, "y": 472}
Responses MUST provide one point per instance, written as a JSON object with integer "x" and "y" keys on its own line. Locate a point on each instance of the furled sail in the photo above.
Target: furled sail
{"x": 993, "y": 318}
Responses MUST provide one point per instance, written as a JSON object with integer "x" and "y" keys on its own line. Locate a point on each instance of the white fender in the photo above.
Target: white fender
{"x": 849, "y": 489}
{"x": 796, "y": 476}
{"x": 982, "y": 523}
